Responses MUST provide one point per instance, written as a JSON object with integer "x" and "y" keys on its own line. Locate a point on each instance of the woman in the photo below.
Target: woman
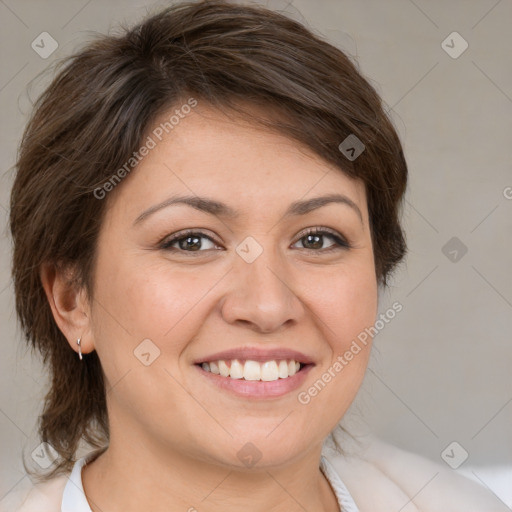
{"x": 204, "y": 210}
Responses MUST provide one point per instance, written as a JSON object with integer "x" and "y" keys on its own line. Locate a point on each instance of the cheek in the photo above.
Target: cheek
{"x": 346, "y": 303}
{"x": 345, "y": 307}
{"x": 155, "y": 301}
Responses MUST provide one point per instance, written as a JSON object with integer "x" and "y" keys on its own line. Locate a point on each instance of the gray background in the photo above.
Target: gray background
{"x": 440, "y": 371}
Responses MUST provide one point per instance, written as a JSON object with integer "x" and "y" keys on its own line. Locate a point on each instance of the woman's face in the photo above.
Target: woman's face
{"x": 248, "y": 279}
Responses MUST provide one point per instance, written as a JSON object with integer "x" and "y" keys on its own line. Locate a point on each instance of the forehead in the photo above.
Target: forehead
{"x": 218, "y": 155}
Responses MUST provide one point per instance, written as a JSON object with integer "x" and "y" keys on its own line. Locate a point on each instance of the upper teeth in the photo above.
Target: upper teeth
{"x": 253, "y": 370}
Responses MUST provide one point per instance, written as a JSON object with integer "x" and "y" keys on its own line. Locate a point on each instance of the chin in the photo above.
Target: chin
{"x": 263, "y": 449}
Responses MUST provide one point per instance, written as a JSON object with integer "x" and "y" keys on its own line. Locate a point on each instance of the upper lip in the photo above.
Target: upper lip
{"x": 257, "y": 354}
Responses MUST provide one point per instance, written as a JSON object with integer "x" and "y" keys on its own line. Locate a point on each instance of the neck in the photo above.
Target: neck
{"x": 161, "y": 480}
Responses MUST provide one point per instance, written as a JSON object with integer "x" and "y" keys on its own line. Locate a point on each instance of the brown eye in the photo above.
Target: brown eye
{"x": 314, "y": 240}
{"x": 192, "y": 241}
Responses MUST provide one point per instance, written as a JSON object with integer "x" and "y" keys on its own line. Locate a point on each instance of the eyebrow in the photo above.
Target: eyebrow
{"x": 220, "y": 209}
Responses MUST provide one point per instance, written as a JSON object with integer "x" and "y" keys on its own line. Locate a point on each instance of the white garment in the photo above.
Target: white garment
{"x": 74, "y": 500}
{"x": 380, "y": 477}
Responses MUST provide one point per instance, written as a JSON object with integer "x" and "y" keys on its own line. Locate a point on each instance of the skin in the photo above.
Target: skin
{"x": 175, "y": 436}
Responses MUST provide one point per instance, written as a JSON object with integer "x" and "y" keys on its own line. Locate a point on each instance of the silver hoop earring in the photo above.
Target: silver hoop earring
{"x": 79, "y": 349}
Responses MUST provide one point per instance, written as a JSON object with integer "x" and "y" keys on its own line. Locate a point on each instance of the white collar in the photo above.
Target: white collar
{"x": 74, "y": 500}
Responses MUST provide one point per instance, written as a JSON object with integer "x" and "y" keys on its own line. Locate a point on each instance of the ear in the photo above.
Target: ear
{"x": 69, "y": 306}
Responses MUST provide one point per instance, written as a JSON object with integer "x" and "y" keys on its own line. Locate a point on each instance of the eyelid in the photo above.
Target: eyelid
{"x": 322, "y": 230}
{"x": 340, "y": 239}
{"x": 169, "y": 239}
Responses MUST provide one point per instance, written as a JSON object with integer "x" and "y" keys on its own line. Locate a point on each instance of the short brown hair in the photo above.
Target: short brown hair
{"x": 94, "y": 115}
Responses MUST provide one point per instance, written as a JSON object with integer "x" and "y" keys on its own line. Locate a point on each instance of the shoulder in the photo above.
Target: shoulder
{"x": 381, "y": 477}
{"x": 39, "y": 497}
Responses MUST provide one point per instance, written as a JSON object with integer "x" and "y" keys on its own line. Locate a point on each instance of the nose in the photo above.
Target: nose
{"x": 262, "y": 295}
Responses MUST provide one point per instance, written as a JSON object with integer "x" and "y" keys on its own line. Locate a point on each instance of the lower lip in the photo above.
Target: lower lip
{"x": 257, "y": 388}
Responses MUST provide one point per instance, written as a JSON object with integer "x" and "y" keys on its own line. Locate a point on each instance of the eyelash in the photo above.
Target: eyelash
{"x": 340, "y": 242}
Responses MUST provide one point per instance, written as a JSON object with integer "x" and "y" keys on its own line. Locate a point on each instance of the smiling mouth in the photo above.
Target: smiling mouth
{"x": 250, "y": 370}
